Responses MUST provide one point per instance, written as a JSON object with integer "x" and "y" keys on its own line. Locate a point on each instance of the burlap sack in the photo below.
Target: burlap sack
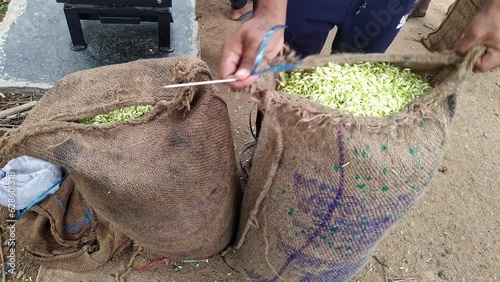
{"x": 449, "y": 32}
{"x": 63, "y": 232}
{"x": 168, "y": 180}
{"x": 325, "y": 186}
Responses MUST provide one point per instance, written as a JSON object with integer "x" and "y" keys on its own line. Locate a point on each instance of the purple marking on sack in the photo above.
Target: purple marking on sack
{"x": 354, "y": 221}
{"x": 327, "y": 216}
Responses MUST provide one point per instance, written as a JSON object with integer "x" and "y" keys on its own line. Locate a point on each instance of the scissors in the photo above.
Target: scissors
{"x": 258, "y": 60}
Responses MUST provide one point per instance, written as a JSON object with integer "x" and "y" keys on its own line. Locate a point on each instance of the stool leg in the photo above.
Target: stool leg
{"x": 164, "y": 32}
{"x": 75, "y": 28}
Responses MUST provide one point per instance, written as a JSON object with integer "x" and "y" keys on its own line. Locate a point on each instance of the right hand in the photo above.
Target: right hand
{"x": 240, "y": 50}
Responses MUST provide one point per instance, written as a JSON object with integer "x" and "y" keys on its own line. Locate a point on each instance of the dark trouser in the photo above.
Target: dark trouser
{"x": 238, "y": 4}
{"x": 363, "y": 26}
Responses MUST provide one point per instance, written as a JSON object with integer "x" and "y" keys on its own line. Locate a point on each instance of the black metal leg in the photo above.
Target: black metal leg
{"x": 75, "y": 28}
{"x": 164, "y": 32}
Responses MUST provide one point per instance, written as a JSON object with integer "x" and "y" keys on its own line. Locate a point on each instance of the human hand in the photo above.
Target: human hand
{"x": 484, "y": 28}
{"x": 240, "y": 50}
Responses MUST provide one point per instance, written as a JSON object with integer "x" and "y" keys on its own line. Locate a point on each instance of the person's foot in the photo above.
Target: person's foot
{"x": 417, "y": 12}
{"x": 241, "y": 14}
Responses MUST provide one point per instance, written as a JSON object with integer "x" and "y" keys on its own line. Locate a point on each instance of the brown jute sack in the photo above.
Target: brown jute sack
{"x": 63, "y": 232}
{"x": 448, "y": 34}
{"x": 168, "y": 180}
{"x": 325, "y": 186}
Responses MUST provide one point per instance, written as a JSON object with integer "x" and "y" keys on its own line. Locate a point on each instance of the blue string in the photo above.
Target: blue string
{"x": 254, "y": 135}
{"x": 41, "y": 197}
{"x": 260, "y": 55}
{"x": 241, "y": 157}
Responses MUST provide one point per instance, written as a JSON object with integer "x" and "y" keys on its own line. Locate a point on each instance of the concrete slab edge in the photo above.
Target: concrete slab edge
{"x": 195, "y": 27}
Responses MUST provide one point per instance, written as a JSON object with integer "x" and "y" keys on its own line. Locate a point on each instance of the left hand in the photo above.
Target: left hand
{"x": 484, "y": 28}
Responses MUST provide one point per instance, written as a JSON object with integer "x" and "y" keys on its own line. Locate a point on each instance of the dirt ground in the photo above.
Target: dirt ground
{"x": 452, "y": 234}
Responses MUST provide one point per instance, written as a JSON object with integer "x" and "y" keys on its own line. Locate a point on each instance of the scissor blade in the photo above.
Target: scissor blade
{"x": 200, "y": 83}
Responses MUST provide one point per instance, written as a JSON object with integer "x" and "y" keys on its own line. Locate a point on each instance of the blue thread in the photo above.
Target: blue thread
{"x": 63, "y": 206}
{"x": 7, "y": 266}
{"x": 88, "y": 218}
{"x": 41, "y": 197}
{"x": 260, "y": 56}
{"x": 241, "y": 156}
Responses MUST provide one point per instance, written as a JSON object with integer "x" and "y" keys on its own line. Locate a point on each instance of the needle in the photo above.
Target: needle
{"x": 200, "y": 83}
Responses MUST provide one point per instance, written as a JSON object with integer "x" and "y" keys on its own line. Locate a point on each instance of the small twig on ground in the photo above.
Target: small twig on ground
{"x": 380, "y": 262}
{"x": 226, "y": 264}
{"x": 386, "y": 279}
{"x": 2, "y": 258}
{"x": 249, "y": 142}
{"x": 20, "y": 115}
{"x": 121, "y": 277}
{"x": 402, "y": 279}
{"x": 428, "y": 26}
{"x": 18, "y": 109}
{"x": 38, "y": 273}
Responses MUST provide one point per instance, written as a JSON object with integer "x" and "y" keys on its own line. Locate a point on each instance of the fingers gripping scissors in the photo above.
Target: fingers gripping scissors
{"x": 258, "y": 60}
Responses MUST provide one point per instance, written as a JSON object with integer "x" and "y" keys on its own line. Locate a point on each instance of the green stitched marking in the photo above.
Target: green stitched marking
{"x": 349, "y": 138}
{"x": 384, "y": 148}
{"x": 385, "y": 189}
{"x": 336, "y": 168}
{"x": 317, "y": 245}
{"x": 356, "y": 153}
{"x": 421, "y": 123}
{"x": 357, "y": 176}
{"x": 384, "y": 170}
{"x": 334, "y": 229}
{"x": 290, "y": 212}
{"x": 368, "y": 178}
{"x": 363, "y": 154}
{"x": 415, "y": 188}
{"x": 361, "y": 186}
{"x": 420, "y": 165}
{"x": 283, "y": 191}
{"x": 330, "y": 244}
{"x": 413, "y": 151}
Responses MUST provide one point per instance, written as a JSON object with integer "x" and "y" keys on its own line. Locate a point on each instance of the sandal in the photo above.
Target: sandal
{"x": 243, "y": 17}
{"x": 415, "y": 13}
